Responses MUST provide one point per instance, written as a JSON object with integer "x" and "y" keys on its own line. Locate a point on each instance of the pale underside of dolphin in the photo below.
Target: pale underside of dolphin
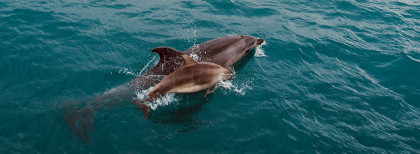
{"x": 192, "y": 77}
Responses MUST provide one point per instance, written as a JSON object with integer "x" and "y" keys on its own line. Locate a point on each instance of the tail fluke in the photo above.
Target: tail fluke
{"x": 142, "y": 106}
{"x": 79, "y": 119}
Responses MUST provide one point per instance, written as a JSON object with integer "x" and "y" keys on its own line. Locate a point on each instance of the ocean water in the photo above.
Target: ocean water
{"x": 334, "y": 76}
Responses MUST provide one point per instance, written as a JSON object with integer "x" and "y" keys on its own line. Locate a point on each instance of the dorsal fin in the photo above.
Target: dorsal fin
{"x": 169, "y": 61}
{"x": 188, "y": 60}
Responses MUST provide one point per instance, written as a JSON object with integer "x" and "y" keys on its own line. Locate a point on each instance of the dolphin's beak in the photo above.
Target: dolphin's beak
{"x": 260, "y": 41}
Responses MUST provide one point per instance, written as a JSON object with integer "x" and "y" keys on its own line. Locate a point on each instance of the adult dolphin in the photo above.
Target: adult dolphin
{"x": 224, "y": 51}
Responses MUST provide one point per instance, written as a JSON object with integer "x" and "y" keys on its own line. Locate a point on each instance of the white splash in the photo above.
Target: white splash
{"x": 239, "y": 89}
{"x": 259, "y": 52}
{"x": 161, "y": 101}
{"x": 191, "y": 31}
{"x": 142, "y": 94}
{"x": 126, "y": 71}
{"x": 195, "y": 56}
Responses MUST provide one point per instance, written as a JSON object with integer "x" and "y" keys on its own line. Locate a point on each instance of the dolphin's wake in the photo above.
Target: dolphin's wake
{"x": 164, "y": 100}
{"x": 259, "y": 52}
{"x": 240, "y": 88}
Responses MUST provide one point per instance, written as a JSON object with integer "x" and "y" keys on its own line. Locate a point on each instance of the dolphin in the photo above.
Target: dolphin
{"x": 224, "y": 51}
{"x": 192, "y": 77}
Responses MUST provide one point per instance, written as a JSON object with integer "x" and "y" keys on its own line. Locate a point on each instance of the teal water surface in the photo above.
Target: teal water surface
{"x": 335, "y": 76}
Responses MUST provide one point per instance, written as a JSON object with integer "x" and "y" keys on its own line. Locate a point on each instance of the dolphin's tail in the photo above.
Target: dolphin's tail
{"x": 79, "y": 119}
{"x": 260, "y": 41}
{"x": 143, "y": 107}
{"x": 142, "y": 104}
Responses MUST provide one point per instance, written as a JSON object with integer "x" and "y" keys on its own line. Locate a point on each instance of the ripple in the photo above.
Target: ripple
{"x": 335, "y": 76}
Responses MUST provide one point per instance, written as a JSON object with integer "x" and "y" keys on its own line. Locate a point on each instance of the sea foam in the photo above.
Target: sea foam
{"x": 259, "y": 52}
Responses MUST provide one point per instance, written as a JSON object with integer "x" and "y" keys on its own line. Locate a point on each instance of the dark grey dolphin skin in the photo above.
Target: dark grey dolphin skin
{"x": 224, "y": 51}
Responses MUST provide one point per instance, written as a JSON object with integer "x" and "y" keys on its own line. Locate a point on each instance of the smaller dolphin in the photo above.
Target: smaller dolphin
{"x": 192, "y": 77}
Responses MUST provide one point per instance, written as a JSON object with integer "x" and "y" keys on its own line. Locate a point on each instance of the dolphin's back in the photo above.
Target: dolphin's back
{"x": 224, "y": 51}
